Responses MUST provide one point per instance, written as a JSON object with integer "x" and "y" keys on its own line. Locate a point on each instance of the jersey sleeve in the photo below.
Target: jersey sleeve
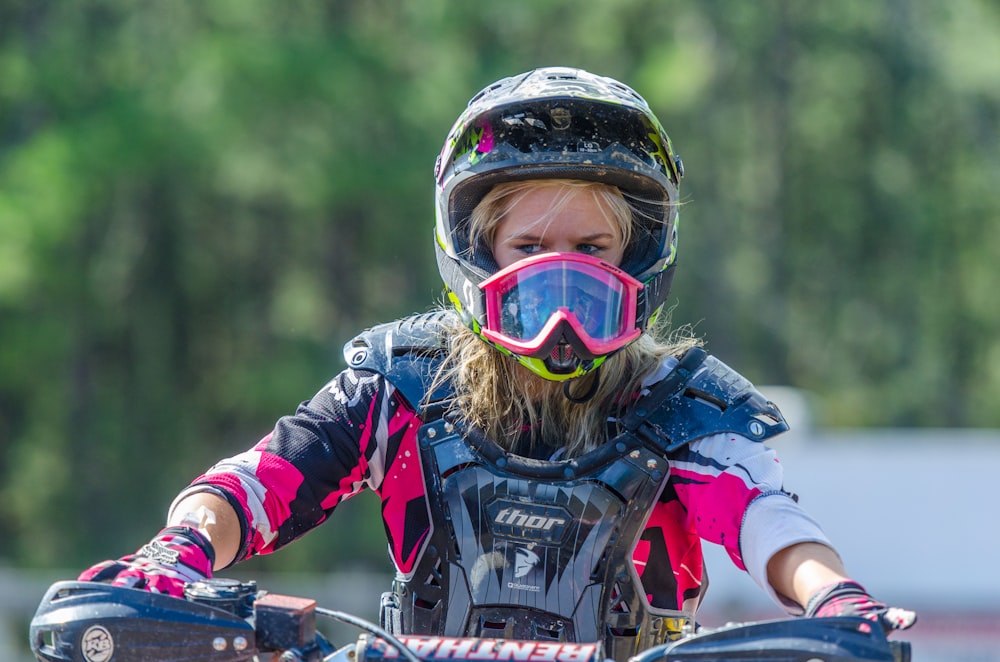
{"x": 333, "y": 447}
{"x": 731, "y": 491}
{"x": 716, "y": 478}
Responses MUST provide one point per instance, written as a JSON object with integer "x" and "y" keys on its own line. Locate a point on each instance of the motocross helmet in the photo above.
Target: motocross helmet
{"x": 557, "y": 123}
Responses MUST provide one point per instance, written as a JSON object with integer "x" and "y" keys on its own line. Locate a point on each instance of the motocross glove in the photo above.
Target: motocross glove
{"x": 175, "y": 557}
{"x": 851, "y": 599}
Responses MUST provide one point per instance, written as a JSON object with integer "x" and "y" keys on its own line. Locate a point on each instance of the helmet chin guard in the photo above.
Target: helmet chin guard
{"x": 557, "y": 123}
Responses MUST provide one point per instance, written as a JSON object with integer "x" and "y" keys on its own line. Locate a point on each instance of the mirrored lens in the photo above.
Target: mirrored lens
{"x": 531, "y": 296}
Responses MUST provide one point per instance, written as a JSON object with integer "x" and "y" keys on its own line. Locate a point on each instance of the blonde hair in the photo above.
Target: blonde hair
{"x": 506, "y": 400}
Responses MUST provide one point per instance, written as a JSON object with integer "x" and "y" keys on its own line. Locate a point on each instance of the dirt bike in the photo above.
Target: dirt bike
{"x": 224, "y": 620}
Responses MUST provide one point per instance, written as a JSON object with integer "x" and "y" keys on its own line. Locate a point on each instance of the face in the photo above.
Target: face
{"x": 581, "y": 225}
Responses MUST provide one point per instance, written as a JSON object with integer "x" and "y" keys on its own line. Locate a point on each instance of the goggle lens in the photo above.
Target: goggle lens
{"x": 527, "y": 302}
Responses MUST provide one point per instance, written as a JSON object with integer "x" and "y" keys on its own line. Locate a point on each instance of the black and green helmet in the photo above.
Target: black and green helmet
{"x": 557, "y": 123}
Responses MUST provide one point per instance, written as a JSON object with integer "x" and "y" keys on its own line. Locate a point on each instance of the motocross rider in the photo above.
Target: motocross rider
{"x": 548, "y": 459}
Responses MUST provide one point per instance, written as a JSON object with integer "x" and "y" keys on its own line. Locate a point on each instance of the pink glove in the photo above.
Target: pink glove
{"x": 175, "y": 557}
{"x": 851, "y": 599}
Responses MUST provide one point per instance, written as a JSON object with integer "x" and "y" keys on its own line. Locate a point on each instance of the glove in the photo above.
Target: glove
{"x": 851, "y": 599}
{"x": 175, "y": 557}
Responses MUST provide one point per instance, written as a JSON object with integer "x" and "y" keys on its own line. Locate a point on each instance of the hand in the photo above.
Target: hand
{"x": 175, "y": 557}
{"x": 851, "y": 599}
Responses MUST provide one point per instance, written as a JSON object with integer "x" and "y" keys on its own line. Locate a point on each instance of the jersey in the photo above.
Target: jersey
{"x": 361, "y": 431}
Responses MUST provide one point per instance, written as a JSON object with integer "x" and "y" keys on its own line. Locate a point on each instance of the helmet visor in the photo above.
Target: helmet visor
{"x": 541, "y": 300}
{"x": 585, "y": 133}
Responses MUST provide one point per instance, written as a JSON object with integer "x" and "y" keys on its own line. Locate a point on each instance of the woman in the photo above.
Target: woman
{"x": 547, "y": 467}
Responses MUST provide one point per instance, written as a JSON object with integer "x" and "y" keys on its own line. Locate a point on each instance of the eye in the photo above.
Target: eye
{"x": 591, "y": 249}
{"x": 528, "y": 249}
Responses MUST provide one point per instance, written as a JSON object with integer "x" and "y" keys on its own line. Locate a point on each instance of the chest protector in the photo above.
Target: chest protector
{"x": 536, "y": 550}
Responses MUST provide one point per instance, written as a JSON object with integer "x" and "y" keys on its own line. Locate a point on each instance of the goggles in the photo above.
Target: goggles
{"x": 546, "y": 300}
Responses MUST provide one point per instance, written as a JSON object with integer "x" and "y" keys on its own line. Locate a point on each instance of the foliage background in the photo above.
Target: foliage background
{"x": 200, "y": 202}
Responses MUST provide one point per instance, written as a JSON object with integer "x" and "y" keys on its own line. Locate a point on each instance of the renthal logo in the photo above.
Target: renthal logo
{"x": 498, "y": 650}
{"x": 533, "y": 522}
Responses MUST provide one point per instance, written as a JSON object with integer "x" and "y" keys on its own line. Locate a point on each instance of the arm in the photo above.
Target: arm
{"x": 202, "y": 535}
{"x": 812, "y": 575}
{"x": 733, "y": 490}
{"x": 255, "y": 501}
{"x": 799, "y": 571}
{"x": 214, "y": 518}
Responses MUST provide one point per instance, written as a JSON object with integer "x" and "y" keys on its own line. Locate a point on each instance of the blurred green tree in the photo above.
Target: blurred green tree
{"x": 201, "y": 201}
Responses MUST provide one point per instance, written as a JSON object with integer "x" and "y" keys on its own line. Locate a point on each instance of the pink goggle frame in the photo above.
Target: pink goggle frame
{"x": 537, "y": 300}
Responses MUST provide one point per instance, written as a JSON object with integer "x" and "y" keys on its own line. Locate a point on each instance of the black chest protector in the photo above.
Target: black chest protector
{"x": 529, "y": 549}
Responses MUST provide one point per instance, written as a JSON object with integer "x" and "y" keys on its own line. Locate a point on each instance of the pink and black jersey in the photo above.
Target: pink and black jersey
{"x": 360, "y": 432}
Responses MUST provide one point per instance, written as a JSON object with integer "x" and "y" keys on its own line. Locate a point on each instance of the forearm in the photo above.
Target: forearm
{"x": 798, "y": 571}
{"x": 214, "y": 517}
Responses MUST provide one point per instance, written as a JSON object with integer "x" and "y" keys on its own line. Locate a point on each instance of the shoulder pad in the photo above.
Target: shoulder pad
{"x": 408, "y": 353}
{"x": 704, "y": 397}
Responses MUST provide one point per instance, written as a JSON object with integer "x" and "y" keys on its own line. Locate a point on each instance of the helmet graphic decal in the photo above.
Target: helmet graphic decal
{"x": 475, "y": 143}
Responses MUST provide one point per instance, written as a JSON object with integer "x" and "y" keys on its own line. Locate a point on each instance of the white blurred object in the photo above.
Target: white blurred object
{"x": 913, "y": 513}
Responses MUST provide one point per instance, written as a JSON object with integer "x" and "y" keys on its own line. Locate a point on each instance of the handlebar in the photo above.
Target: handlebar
{"x": 223, "y": 620}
